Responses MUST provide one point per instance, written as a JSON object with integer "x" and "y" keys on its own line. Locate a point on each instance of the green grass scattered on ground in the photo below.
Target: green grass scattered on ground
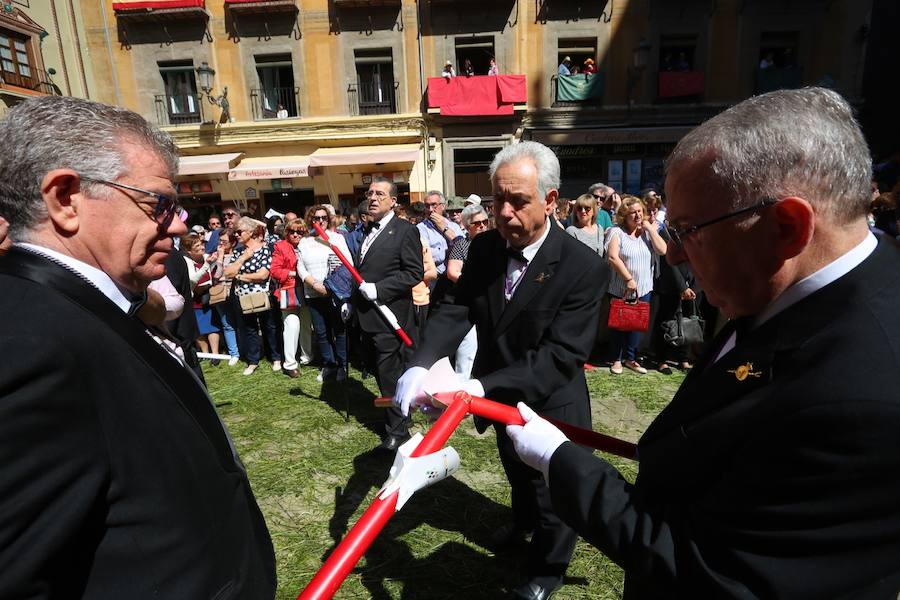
{"x": 314, "y": 473}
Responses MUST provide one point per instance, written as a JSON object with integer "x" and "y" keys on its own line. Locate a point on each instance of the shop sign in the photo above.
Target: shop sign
{"x": 267, "y": 172}
{"x": 630, "y": 135}
{"x": 250, "y": 193}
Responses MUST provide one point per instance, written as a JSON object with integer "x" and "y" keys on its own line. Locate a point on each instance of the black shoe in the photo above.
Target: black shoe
{"x": 364, "y": 374}
{"x": 508, "y": 535}
{"x": 532, "y": 590}
{"x": 341, "y": 374}
{"x": 390, "y": 443}
{"x": 329, "y": 373}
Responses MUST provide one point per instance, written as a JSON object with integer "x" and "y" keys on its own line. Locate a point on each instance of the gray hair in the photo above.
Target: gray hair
{"x": 470, "y": 212}
{"x": 392, "y": 187}
{"x": 545, "y": 162}
{"x": 438, "y": 194}
{"x": 256, "y": 228}
{"x": 59, "y": 132}
{"x": 789, "y": 142}
{"x": 604, "y": 189}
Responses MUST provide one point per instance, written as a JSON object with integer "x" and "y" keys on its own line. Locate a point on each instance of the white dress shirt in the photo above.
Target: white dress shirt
{"x": 374, "y": 233}
{"x": 515, "y": 268}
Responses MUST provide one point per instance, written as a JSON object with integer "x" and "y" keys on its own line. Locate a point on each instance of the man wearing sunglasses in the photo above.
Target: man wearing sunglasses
{"x": 118, "y": 479}
{"x": 772, "y": 472}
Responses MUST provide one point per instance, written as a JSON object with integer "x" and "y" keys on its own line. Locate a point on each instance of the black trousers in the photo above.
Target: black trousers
{"x": 553, "y": 542}
{"x": 386, "y": 354}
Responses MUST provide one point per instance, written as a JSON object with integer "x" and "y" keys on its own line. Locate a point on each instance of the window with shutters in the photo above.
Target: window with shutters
{"x": 16, "y": 64}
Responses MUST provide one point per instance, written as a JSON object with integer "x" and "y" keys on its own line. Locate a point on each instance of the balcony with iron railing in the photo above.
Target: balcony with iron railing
{"x": 373, "y": 98}
{"x": 38, "y": 81}
{"x": 275, "y": 103}
{"x": 178, "y": 109}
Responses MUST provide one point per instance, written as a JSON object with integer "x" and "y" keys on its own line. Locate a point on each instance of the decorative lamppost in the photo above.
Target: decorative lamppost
{"x": 206, "y": 74}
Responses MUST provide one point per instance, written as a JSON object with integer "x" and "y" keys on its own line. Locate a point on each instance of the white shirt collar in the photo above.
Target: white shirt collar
{"x": 385, "y": 219}
{"x": 531, "y": 250}
{"x": 812, "y": 283}
{"x": 98, "y": 278}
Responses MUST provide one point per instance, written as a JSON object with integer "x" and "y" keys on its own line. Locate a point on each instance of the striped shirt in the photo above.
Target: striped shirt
{"x": 637, "y": 254}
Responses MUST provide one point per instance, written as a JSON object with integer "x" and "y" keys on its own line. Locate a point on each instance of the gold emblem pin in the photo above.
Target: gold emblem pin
{"x": 542, "y": 277}
{"x": 745, "y": 371}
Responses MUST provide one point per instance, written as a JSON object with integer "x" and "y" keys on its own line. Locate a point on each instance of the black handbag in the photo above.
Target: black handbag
{"x": 682, "y": 332}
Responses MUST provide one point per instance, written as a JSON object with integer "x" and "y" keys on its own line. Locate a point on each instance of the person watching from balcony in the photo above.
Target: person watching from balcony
{"x": 468, "y": 69}
{"x": 448, "y": 71}
{"x": 564, "y": 66}
{"x": 492, "y": 69}
{"x": 282, "y": 112}
{"x": 589, "y": 67}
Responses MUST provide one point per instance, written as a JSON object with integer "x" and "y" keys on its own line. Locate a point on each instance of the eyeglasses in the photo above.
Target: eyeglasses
{"x": 480, "y": 223}
{"x": 600, "y": 197}
{"x": 320, "y": 219}
{"x": 583, "y": 208}
{"x": 165, "y": 208}
{"x": 678, "y": 235}
{"x": 294, "y": 232}
{"x": 238, "y": 232}
{"x": 229, "y": 215}
{"x": 376, "y": 194}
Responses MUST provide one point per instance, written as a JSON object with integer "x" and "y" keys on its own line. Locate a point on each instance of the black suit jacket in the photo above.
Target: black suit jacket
{"x": 533, "y": 348}
{"x": 782, "y": 484}
{"x": 117, "y": 478}
{"x": 394, "y": 264}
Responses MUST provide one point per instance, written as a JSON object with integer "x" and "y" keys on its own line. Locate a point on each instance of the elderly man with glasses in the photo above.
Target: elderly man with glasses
{"x": 118, "y": 478}
{"x": 603, "y": 195}
{"x": 390, "y": 262}
{"x": 771, "y": 474}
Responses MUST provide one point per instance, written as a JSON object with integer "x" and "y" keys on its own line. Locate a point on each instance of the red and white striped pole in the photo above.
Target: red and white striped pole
{"x": 386, "y": 312}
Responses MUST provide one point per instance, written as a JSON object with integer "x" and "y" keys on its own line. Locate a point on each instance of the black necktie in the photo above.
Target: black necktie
{"x": 516, "y": 254}
{"x": 371, "y": 225}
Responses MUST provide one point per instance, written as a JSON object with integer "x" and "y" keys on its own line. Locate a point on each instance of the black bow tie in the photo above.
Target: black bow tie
{"x": 516, "y": 254}
{"x": 370, "y": 226}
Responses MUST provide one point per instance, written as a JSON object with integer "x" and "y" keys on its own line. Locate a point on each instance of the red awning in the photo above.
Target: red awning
{"x": 126, "y": 5}
{"x": 479, "y": 95}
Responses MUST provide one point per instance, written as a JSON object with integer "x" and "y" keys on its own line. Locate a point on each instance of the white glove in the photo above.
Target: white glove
{"x": 409, "y": 387}
{"x": 368, "y": 291}
{"x": 536, "y": 441}
{"x": 345, "y": 312}
{"x": 472, "y": 387}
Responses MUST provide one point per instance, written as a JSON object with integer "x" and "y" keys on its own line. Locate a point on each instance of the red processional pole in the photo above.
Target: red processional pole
{"x": 386, "y": 312}
{"x": 332, "y": 574}
{"x": 348, "y": 552}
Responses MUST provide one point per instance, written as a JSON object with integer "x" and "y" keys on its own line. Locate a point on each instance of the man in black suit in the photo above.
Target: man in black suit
{"x": 773, "y": 471}
{"x": 390, "y": 262}
{"x": 117, "y": 477}
{"x": 534, "y": 294}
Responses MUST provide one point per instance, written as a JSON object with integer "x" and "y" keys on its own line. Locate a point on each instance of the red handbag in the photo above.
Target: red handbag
{"x": 629, "y": 315}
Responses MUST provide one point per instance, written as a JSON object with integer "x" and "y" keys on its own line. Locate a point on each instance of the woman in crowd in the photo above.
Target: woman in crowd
{"x": 584, "y": 227}
{"x": 630, "y": 249}
{"x": 561, "y": 212}
{"x": 284, "y": 274}
{"x": 225, "y": 310}
{"x": 250, "y": 273}
{"x": 200, "y": 272}
{"x": 316, "y": 262}
{"x": 475, "y": 221}
{"x": 272, "y": 235}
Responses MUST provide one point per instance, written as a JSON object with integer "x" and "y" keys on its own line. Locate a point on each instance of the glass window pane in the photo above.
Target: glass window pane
{"x": 24, "y": 71}
{"x": 20, "y": 45}
{"x": 22, "y": 57}
{"x": 5, "y": 53}
{"x": 8, "y": 66}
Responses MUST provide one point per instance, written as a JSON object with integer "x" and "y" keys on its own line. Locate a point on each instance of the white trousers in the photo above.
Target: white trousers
{"x": 465, "y": 354}
{"x": 297, "y": 328}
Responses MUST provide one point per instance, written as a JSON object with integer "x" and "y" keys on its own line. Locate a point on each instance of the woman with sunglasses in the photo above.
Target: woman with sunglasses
{"x": 284, "y": 274}
{"x": 317, "y": 260}
{"x": 250, "y": 271}
{"x": 630, "y": 250}
{"x": 225, "y": 310}
{"x": 584, "y": 227}
{"x": 475, "y": 221}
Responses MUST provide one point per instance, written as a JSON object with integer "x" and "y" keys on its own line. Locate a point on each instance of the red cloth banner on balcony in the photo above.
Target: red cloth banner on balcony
{"x": 673, "y": 84}
{"x": 479, "y": 95}
{"x": 155, "y": 4}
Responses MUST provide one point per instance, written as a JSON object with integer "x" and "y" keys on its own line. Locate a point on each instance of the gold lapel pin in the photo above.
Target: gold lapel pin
{"x": 745, "y": 371}
{"x": 542, "y": 277}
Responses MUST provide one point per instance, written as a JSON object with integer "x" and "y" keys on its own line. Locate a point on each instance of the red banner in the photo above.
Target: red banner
{"x": 477, "y": 95}
{"x": 673, "y": 84}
